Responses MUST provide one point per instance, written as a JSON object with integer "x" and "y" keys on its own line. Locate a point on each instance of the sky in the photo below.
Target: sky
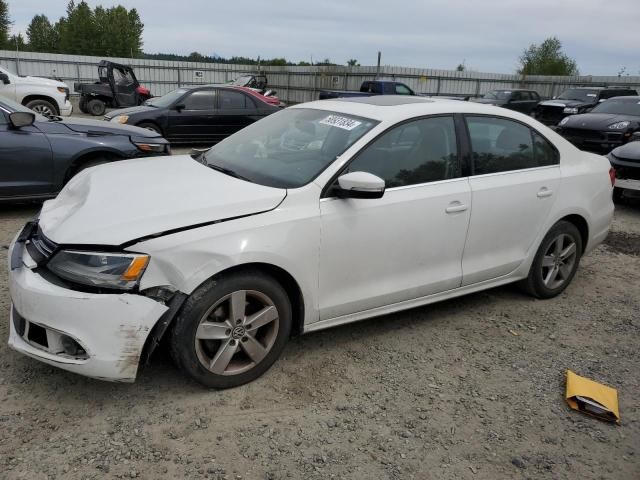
{"x": 485, "y": 35}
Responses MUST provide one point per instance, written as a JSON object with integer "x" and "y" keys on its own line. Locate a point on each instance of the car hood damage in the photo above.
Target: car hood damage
{"x": 118, "y": 203}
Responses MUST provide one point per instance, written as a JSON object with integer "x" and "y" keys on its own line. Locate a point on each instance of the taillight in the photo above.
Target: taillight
{"x": 612, "y": 176}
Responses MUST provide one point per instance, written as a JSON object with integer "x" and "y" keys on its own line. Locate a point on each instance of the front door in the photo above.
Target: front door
{"x": 26, "y": 165}
{"x": 514, "y": 184}
{"x": 195, "y": 120}
{"x": 407, "y": 244}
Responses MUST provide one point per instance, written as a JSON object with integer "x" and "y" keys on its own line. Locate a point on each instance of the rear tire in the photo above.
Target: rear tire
{"x": 96, "y": 107}
{"x": 232, "y": 329}
{"x": 82, "y": 105}
{"x": 43, "y": 107}
{"x": 556, "y": 261}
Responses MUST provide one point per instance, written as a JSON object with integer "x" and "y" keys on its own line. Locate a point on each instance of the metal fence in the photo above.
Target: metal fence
{"x": 296, "y": 84}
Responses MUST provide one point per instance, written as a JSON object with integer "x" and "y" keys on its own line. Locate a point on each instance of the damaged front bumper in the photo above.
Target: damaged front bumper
{"x": 97, "y": 335}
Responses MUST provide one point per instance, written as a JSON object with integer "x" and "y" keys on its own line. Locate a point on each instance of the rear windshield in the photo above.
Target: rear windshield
{"x": 619, "y": 106}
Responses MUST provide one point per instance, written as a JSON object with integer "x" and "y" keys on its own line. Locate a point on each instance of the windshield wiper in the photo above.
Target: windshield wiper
{"x": 228, "y": 171}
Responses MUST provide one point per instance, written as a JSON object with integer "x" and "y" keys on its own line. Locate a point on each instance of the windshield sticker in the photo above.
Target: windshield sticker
{"x": 341, "y": 122}
{"x": 591, "y": 94}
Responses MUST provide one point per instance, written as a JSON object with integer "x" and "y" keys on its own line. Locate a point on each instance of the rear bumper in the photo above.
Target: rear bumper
{"x": 111, "y": 329}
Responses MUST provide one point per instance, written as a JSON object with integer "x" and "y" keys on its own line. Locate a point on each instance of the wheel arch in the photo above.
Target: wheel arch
{"x": 286, "y": 280}
{"x": 581, "y": 224}
{"x": 152, "y": 122}
{"x": 87, "y": 156}
{"x": 51, "y": 100}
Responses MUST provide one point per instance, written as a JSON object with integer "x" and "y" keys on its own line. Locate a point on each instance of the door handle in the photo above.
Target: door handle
{"x": 544, "y": 192}
{"x": 455, "y": 207}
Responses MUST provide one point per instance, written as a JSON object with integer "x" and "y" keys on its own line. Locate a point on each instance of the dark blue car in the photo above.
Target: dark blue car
{"x": 38, "y": 155}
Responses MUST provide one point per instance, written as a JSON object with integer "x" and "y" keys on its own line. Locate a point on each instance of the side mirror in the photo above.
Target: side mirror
{"x": 179, "y": 107}
{"x": 22, "y": 119}
{"x": 4, "y": 78}
{"x": 359, "y": 185}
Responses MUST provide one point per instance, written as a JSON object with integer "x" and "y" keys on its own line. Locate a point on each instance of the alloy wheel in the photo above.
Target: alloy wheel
{"x": 237, "y": 332}
{"x": 43, "y": 110}
{"x": 558, "y": 261}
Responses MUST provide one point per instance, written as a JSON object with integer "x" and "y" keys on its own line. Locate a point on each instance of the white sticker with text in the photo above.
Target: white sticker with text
{"x": 341, "y": 122}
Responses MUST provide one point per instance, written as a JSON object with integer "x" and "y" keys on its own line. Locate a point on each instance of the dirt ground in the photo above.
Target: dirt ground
{"x": 466, "y": 389}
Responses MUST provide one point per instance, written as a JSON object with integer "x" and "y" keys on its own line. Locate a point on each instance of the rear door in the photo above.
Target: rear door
{"x": 236, "y": 111}
{"x": 125, "y": 88}
{"x": 514, "y": 182}
{"x": 196, "y": 121}
{"x": 26, "y": 164}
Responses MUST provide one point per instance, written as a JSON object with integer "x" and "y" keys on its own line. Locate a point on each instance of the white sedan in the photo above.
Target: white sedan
{"x": 322, "y": 214}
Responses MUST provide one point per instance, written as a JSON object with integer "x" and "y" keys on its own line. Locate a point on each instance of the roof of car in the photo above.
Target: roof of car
{"x": 626, "y": 98}
{"x": 395, "y": 108}
{"x": 386, "y": 100}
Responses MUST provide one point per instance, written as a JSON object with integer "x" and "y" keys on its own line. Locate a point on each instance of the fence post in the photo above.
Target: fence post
{"x": 78, "y": 72}
{"x": 477, "y": 87}
{"x": 288, "y": 85}
{"x": 179, "y": 80}
{"x": 438, "y": 86}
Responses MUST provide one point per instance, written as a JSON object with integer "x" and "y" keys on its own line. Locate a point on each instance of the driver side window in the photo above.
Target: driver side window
{"x": 415, "y": 152}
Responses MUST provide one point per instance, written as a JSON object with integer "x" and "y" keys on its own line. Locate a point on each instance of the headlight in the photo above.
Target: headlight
{"x": 101, "y": 270}
{"x": 563, "y": 121}
{"x": 570, "y": 110}
{"x": 152, "y": 147}
{"x": 120, "y": 119}
{"x": 619, "y": 125}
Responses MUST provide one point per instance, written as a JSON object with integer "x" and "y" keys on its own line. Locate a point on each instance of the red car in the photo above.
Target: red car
{"x": 270, "y": 99}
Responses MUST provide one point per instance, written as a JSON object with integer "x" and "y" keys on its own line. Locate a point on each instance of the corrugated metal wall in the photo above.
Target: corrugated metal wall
{"x": 294, "y": 84}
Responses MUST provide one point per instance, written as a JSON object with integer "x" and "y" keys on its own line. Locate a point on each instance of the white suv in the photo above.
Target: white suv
{"x": 42, "y": 95}
{"x": 321, "y": 214}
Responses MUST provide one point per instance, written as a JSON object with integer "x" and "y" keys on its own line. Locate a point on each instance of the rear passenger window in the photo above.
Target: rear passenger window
{"x": 499, "y": 145}
{"x": 230, "y": 100}
{"x": 415, "y": 152}
{"x": 545, "y": 153}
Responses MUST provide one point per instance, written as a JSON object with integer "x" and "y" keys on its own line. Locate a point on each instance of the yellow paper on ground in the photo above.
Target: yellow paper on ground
{"x": 592, "y": 398}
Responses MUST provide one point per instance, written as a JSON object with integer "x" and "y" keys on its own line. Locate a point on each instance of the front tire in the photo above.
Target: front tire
{"x": 150, "y": 126}
{"x": 43, "y": 107}
{"x": 556, "y": 261}
{"x": 232, "y": 329}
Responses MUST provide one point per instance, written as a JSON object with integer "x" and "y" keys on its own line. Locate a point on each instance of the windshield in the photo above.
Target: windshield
{"x": 498, "y": 94}
{"x": 12, "y": 106}
{"x": 243, "y": 81}
{"x": 167, "y": 100}
{"x": 620, "y": 107}
{"x": 579, "y": 94}
{"x": 289, "y": 148}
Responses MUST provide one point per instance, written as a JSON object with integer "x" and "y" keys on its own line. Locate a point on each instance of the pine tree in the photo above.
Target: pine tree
{"x": 41, "y": 35}
{"x": 5, "y": 24}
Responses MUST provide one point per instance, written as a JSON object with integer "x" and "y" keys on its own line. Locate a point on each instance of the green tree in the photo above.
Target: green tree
{"x": 547, "y": 59}
{"x": 16, "y": 42}
{"x": 352, "y": 63}
{"x": 78, "y": 33}
{"x": 460, "y": 67}
{"x": 41, "y": 35}
{"x": 5, "y": 24}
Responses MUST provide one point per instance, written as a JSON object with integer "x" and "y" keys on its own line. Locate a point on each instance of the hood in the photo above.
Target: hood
{"x": 130, "y": 111}
{"x": 564, "y": 103}
{"x": 597, "y": 121}
{"x": 42, "y": 81}
{"x": 122, "y": 201}
{"x": 629, "y": 151}
{"x": 87, "y": 125}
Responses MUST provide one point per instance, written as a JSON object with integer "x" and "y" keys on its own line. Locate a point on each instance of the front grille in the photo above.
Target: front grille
{"x": 627, "y": 173}
{"x": 550, "y": 114}
{"x": 584, "y": 134}
{"x": 19, "y": 322}
{"x": 40, "y": 247}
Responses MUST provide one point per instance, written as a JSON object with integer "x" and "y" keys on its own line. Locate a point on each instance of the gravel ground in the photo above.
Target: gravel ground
{"x": 466, "y": 389}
